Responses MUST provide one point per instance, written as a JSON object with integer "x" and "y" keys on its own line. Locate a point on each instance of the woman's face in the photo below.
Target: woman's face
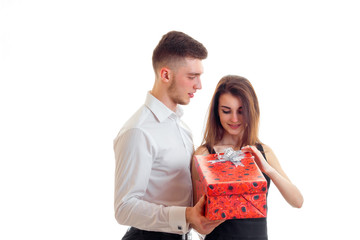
{"x": 230, "y": 113}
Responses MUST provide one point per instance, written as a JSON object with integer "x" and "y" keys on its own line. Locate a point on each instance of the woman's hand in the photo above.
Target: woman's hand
{"x": 259, "y": 158}
{"x": 272, "y": 168}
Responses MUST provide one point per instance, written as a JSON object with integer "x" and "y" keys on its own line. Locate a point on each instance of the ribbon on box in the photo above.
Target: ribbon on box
{"x": 230, "y": 155}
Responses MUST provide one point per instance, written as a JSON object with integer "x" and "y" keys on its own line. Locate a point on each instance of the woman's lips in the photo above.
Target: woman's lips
{"x": 234, "y": 126}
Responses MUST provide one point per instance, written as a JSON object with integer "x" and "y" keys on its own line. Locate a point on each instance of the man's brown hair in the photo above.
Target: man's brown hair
{"x": 175, "y": 46}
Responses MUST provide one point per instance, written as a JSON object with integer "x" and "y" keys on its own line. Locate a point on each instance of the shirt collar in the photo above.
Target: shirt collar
{"x": 159, "y": 109}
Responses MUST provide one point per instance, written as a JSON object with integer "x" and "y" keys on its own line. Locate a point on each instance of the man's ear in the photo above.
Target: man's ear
{"x": 165, "y": 74}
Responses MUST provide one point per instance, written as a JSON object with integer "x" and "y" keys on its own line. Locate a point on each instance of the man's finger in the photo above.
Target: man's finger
{"x": 201, "y": 202}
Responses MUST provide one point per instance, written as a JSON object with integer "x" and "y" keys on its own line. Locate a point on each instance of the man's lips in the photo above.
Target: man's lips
{"x": 191, "y": 95}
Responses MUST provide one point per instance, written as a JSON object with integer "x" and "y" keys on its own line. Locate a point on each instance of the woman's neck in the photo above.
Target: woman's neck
{"x": 230, "y": 140}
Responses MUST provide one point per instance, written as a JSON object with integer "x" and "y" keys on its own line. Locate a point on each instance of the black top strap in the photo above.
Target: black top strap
{"x": 210, "y": 150}
{"x": 261, "y": 149}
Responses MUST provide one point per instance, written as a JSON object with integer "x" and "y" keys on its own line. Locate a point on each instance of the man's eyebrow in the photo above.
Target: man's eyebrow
{"x": 195, "y": 74}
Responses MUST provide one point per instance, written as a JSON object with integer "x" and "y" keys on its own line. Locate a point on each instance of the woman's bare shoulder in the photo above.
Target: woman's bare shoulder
{"x": 202, "y": 150}
{"x": 270, "y": 155}
{"x": 266, "y": 148}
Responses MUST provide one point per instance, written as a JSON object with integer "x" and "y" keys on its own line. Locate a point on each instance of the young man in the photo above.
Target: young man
{"x": 153, "y": 150}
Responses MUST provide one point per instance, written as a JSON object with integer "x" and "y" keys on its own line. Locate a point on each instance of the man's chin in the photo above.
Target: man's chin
{"x": 183, "y": 102}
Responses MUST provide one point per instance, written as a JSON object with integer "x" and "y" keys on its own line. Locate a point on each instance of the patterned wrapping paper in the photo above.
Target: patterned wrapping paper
{"x": 232, "y": 192}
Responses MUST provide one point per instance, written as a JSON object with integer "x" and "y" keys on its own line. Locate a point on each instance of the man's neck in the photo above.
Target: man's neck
{"x": 163, "y": 97}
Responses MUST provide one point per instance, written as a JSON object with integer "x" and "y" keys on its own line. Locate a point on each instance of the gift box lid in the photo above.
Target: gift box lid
{"x": 224, "y": 178}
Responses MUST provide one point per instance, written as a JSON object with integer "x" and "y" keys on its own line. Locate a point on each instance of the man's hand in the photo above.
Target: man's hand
{"x": 195, "y": 216}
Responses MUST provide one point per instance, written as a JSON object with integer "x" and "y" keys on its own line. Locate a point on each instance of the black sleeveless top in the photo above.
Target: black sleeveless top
{"x": 242, "y": 229}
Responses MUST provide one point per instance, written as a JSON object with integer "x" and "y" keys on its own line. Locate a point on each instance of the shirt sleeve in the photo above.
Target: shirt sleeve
{"x": 134, "y": 154}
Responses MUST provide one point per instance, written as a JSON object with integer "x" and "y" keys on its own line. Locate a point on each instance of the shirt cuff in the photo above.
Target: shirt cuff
{"x": 177, "y": 220}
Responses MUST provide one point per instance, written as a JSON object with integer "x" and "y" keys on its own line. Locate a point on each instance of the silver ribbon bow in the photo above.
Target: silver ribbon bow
{"x": 230, "y": 155}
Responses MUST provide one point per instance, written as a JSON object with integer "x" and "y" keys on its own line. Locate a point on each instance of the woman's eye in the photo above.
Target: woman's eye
{"x": 226, "y": 112}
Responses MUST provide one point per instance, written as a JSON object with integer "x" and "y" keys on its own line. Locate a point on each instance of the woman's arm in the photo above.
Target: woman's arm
{"x": 273, "y": 169}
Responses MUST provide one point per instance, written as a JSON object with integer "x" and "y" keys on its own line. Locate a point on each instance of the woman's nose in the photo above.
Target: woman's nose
{"x": 234, "y": 117}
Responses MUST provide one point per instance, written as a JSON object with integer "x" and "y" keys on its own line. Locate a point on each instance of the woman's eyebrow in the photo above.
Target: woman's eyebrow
{"x": 229, "y": 107}
{"x": 225, "y": 107}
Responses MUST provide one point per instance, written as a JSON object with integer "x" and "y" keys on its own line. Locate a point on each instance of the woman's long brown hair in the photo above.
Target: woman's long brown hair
{"x": 239, "y": 87}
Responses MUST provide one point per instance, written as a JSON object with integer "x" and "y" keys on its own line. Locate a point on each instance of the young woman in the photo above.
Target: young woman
{"x": 234, "y": 121}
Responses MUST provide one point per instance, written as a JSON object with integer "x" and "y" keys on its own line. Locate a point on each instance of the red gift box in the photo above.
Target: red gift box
{"x": 232, "y": 192}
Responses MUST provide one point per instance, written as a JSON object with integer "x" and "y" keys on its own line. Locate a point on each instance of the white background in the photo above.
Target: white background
{"x": 72, "y": 72}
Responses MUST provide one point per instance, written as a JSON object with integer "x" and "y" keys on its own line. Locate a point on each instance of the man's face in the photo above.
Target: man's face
{"x": 185, "y": 80}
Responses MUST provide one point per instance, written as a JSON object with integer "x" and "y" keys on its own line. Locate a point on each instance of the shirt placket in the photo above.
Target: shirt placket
{"x": 182, "y": 135}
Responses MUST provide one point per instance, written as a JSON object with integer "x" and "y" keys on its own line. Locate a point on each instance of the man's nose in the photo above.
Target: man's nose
{"x": 198, "y": 84}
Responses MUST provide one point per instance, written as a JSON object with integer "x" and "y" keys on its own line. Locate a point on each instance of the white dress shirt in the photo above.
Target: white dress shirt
{"x": 152, "y": 177}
